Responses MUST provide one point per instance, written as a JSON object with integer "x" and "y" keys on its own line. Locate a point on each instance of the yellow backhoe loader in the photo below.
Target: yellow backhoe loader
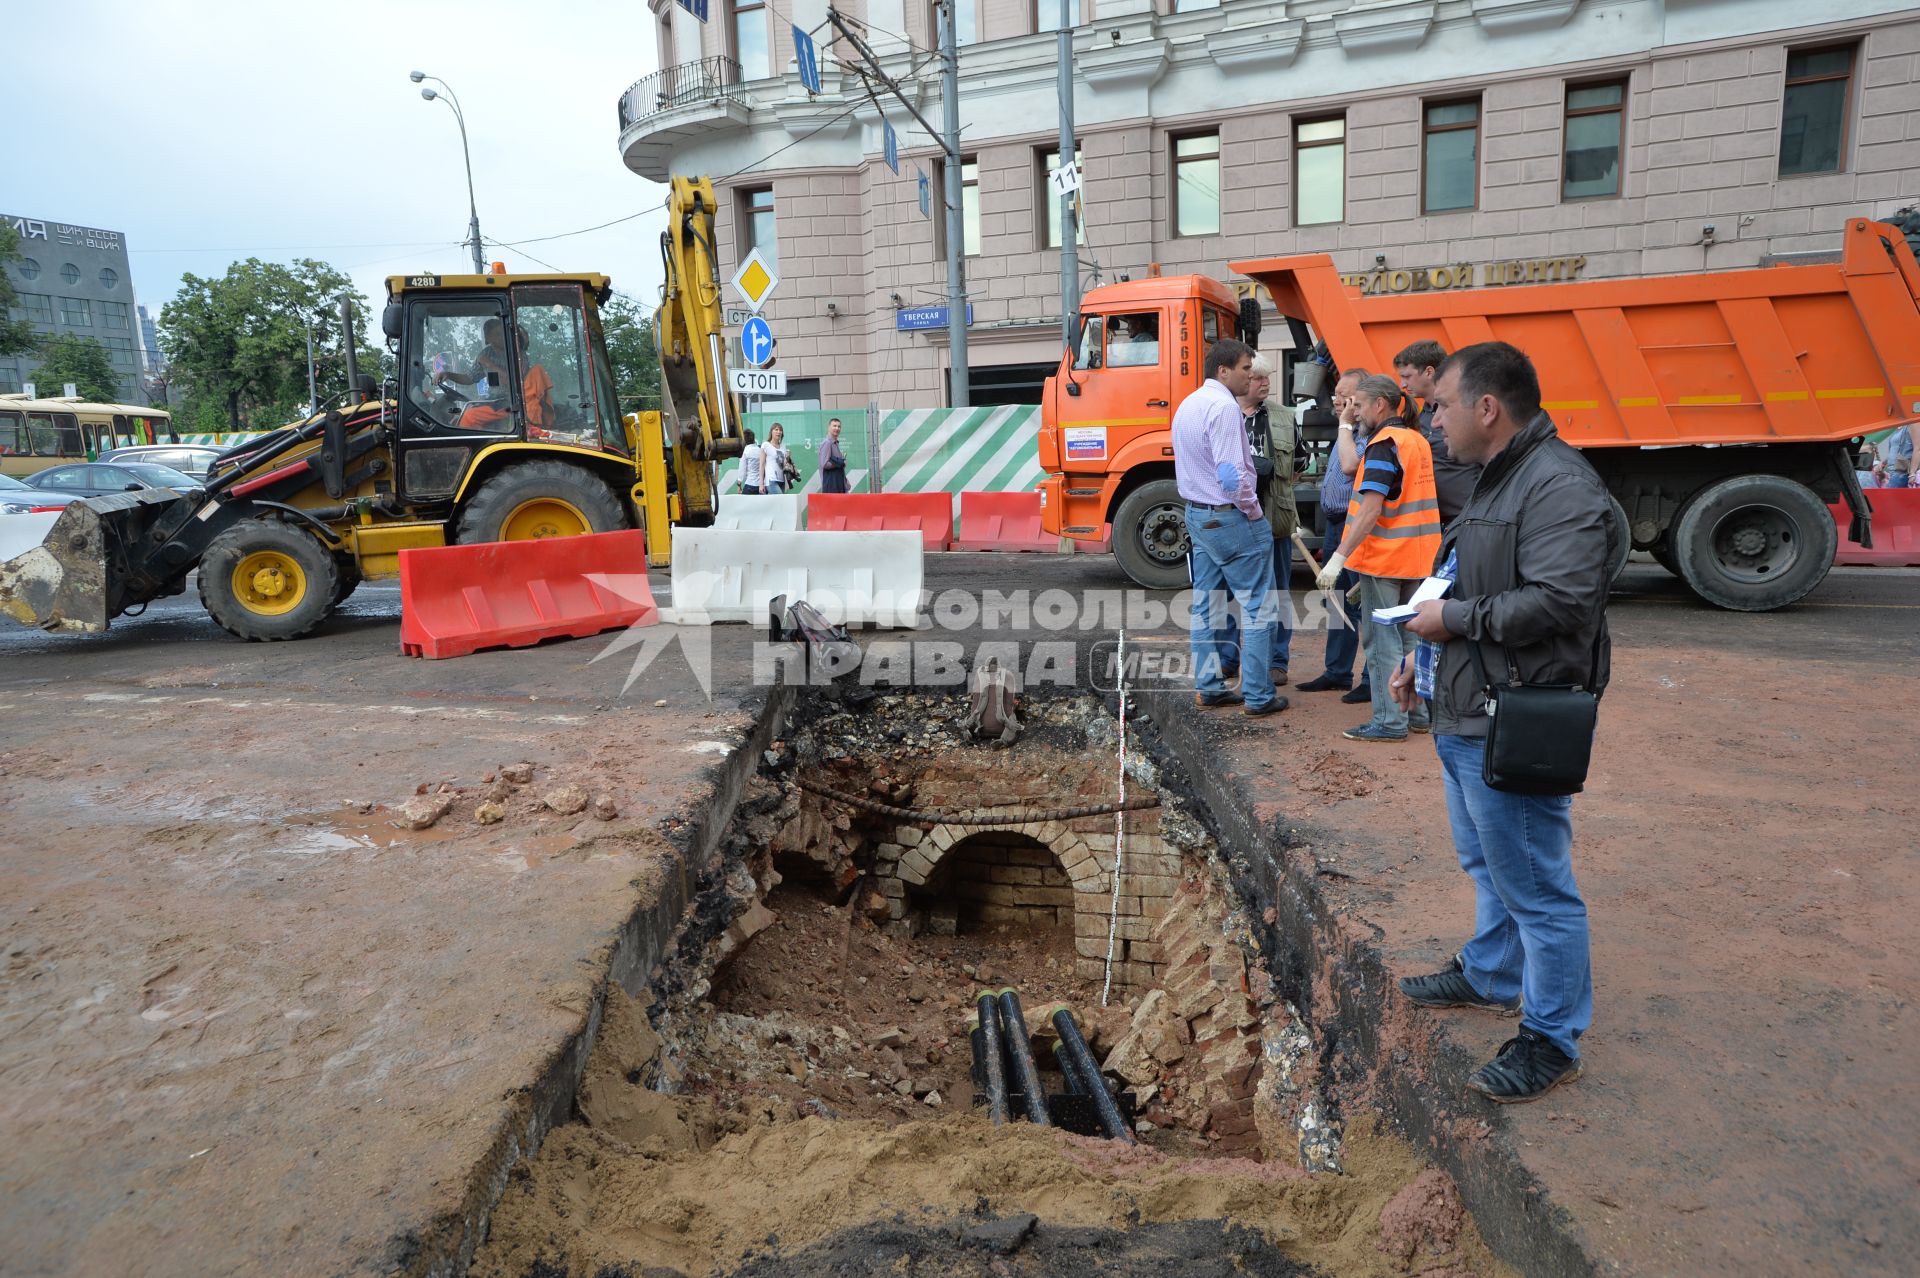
{"x": 500, "y": 424}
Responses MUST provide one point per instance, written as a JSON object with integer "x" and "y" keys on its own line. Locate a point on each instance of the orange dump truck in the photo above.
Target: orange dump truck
{"x": 1721, "y": 408}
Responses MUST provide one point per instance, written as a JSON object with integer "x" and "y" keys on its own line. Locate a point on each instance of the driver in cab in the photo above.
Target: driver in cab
{"x": 536, "y": 386}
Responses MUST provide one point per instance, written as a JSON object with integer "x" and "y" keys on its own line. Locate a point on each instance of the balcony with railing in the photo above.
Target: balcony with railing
{"x": 677, "y": 105}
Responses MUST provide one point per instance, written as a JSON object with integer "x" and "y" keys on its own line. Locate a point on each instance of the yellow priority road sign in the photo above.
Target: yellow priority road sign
{"x": 755, "y": 280}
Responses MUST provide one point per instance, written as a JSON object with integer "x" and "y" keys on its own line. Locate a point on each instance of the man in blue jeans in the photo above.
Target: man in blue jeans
{"x": 1336, "y": 490}
{"x": 1530, "y": 590}
{"x": 1232, "y": 549}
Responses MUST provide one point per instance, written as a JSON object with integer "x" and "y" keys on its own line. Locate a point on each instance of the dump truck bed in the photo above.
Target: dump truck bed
{"x": 1779, "y": 354}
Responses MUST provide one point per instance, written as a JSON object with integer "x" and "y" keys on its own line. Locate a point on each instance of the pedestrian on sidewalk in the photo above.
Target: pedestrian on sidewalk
{"x": 751, "y": 483}
{"x": 833, "y": 462}
{"x": 1896, "y": 458}
{"x": 776, "y": 463}
{"x": 1231, "y": 545}
{"x": 1391, "y": 538}
{"x": 1417, "y": 367}
{"x": 1336, "y": 490}
{"x": 1530, "y": 589}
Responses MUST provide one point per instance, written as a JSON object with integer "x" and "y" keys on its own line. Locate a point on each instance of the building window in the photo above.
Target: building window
{"x": 109, "y": 278}
{"x": 29, "y": 269}
{"x": 113, "y": 315}
{"x": 39, "y": 308}
{"x": 1049, "y": 161}
{"x": 1196, "y": 185}
{"x": 757, "y": 229}
{"x": 76, "y": 312}
{"x": 1813, "y": 115}
{"x": 1596, "y": 135}
{"x": 750, "y": 39}
{"x": 70, "y": 273}
{"x": 1450, "y": 178}
{"x": 1194, "y": 6}
{"x": 119, "y": 350}
{"x": 1319, "y": 171}
{"x": 1046, "y": 14}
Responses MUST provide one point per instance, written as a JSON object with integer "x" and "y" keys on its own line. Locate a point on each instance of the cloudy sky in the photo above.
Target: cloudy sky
{"x": 209, "y": 131}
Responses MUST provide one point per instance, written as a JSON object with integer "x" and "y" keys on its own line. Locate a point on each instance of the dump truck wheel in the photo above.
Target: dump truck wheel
{"x": 541, "y": 499}
{"x": 1623, "y": 539}
{"x": 1754, "y": 542}
{"x": 266, "y": 580}
{"x": 1150, "y": 536}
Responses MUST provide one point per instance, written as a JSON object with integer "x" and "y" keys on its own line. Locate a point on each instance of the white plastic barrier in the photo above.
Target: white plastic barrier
{"x": 778, "y": 513}
{"x": 21, "y": 533}
{"x": 853, "y": 578}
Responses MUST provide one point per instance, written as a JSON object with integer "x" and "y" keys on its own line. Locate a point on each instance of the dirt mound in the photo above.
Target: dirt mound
{"x": 591, "y": 1200}
{"x": 1335, "y": 774}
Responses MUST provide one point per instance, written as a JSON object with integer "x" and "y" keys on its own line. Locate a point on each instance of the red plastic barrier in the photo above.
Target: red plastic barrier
{"x": 508, "y": 594}
{"x": 929, "y": 514}
{"x": 1002, "y": 521}
{"x": 1896, "y": 529}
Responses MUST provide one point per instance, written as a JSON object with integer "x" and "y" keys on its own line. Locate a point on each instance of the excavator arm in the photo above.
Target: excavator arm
{"x": 703, "y": 415}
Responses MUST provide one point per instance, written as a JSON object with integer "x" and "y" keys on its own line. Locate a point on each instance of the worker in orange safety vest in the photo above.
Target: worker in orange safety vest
{"x": 1391, "y": 540}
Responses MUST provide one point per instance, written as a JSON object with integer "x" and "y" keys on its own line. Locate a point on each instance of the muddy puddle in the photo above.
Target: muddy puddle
{"x": 795, "y": 1091}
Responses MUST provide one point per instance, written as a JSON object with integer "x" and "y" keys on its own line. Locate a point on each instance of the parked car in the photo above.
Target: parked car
{"x": 17, "y": 498}
{"x": 189, "y": 459}
{"x": 97, "y": 479}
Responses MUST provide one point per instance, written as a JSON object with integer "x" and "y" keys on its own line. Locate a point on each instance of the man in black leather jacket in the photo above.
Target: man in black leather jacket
{"x": 1531, "y": 550}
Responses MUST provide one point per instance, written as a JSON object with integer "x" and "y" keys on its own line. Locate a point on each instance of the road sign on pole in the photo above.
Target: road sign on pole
{"x": 808, "y": 59}
{"x": 70, "y": 390}
{"x": 926, "y": 202}
{"x": 757, "y": 381}
{"x": 1064, "y": 180}
{"x": 755, "y": 280}
{"x": 892, "y": 144}
{"x": 756, "y": 342}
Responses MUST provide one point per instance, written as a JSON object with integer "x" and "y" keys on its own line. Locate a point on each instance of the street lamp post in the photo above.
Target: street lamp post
{"x": 473, "y": 210}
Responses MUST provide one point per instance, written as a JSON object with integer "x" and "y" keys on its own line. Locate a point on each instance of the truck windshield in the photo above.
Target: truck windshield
{"x": 1131, "y": 340}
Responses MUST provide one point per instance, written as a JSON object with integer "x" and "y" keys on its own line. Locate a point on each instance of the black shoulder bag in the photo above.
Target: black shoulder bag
{"x": 1539, "y": 735}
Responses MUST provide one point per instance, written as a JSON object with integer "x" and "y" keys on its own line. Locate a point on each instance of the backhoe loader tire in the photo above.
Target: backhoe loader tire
{"x": 541, "y": 499}
{"x": 265, "y": 580}
{"x": 350, "y": 580}
{"x": 1150, "y": 536}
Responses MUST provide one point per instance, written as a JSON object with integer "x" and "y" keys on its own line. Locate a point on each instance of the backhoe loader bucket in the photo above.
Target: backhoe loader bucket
{"x": 78, "y": 578}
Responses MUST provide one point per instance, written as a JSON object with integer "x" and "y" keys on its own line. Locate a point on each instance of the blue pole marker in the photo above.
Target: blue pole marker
{"x": 926, "y": 204}
{"x": 756, "y": 342}
{"x": 892, "y": 144}
{"x": 809, "y": 60}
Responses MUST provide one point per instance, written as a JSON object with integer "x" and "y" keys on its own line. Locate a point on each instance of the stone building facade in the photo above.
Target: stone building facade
{"x": 1515, "y": 138}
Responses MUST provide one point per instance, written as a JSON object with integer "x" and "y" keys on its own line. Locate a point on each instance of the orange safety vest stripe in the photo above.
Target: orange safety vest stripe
{"x": 1406, "y": 539}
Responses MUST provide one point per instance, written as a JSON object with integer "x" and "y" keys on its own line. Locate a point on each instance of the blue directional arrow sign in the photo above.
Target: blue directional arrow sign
{"x": 926, "y": 201}
{"x": 756, "y": 342}
{"x": 808, "y": 59}
{"x": 892, "y": 144}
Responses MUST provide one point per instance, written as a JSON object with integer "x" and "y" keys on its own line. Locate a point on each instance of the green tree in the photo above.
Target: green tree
{"x": 16, "y": 335}
{"x": 68, "y": 357}
{"x": 241, "y": 340}
{"x": 630, "y": 348}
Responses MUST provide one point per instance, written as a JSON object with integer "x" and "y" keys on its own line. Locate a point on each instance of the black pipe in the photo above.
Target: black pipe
{"x": 1076, "y": 1086}
{"x": 990, "y": 1050}
{"x": 1103, "y": 1103}
{"x": 1013, "y": 1027}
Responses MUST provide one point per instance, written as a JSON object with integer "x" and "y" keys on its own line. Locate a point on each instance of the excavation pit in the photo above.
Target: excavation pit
{"x": 793, "y": 1092}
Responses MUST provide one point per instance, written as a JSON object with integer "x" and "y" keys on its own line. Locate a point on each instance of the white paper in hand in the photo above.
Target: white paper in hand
{"x": 1431, "y": 588}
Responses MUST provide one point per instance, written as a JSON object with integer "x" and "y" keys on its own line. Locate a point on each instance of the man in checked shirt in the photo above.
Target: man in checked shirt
{"x": 1232, "y": 549}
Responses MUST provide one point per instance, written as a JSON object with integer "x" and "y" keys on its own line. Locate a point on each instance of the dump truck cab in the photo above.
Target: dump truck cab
{"x": 1105, "y": 438}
